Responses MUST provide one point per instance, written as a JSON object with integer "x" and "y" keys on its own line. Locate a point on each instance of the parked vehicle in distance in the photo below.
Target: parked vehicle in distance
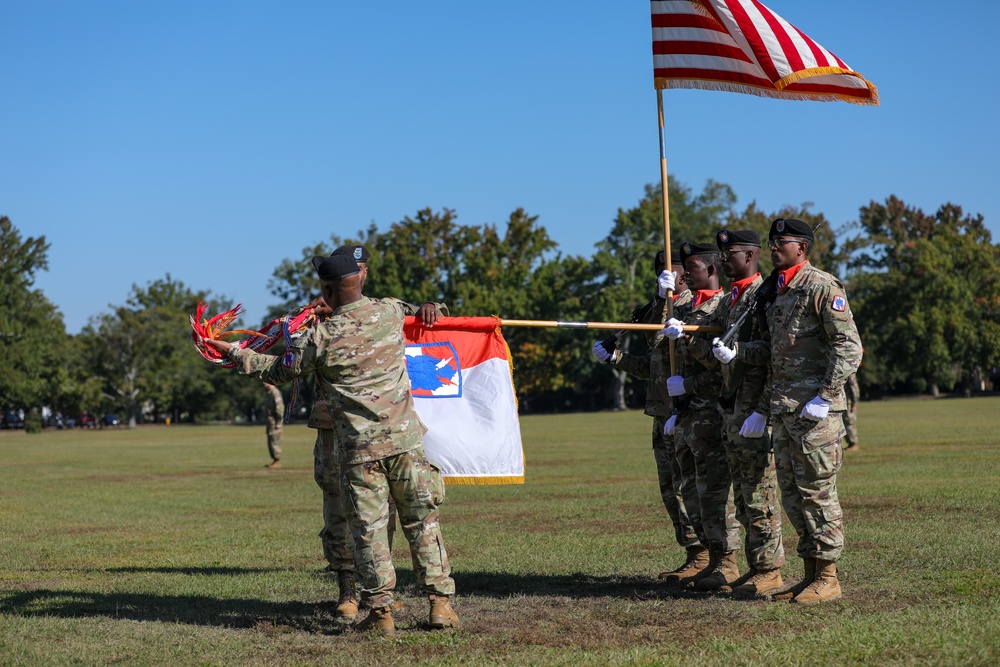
{"x": 87, "y": 420}
{"x": 111, "y": 420}
{"x": 11, "y": 419}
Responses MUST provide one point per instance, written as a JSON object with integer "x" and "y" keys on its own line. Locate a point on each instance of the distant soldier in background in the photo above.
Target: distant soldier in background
{"x": 274, "y": 411}
{"x": 852, "y": 393}
{"x": 814, "y": 347}
{"x": 697, "y": 426}
{"x": 654, "y": 366}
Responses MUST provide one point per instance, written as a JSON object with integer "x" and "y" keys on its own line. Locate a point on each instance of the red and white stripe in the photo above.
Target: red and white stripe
{"x": 742, "y": 46}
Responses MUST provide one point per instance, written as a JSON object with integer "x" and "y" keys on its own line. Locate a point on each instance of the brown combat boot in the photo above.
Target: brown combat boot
{"x": 442, "y": 615}
{"x": 273, "y": 464}
{"x": 761, "y": 585}
{"x": 347, "y": 603}
{"x": 825, "y": 588}
{"x": 378, "y": 621}
{"x": 724, "y": 573}
{"x": 697, "y": 560}
{"x": 787, "y": 593}
{"x": 730, "y": 587}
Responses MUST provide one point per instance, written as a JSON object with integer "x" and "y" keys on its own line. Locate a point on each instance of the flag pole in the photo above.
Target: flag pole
{"x": 632, "y": 326}
{"x": 665, "y": 197}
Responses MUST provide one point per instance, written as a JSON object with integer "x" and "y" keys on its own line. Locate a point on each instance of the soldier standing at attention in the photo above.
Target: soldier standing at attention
{"x": 814, "y": 347}
{"x": 654, "y": 366}
{"x": 358, "y": 358}
{"x": 852, "y": 393}
{"x": 274, "y": 409}
{"x": 697, "y": 426}
{"x": 746, "y": 402}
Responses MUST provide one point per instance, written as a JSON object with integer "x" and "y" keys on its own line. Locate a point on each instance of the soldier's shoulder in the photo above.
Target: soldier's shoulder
{"x": 816, "y": 276}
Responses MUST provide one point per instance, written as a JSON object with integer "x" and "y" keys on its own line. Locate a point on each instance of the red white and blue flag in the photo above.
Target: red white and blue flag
{"x": 742, "y": 46}
{"x": 463, "y": 389}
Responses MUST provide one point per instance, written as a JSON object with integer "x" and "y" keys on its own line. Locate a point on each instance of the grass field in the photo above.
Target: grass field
{"x": 173, "y": 545}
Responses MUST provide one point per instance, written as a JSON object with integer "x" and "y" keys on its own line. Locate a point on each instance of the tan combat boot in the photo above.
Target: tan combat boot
{"x": 825, "y": 588}
{"x": 789, "y": 592}
{"x": 347, "y": 603}
{"x": 697, "y": 560}
{"x": 730, "y": 587}
{"x": 761, "y": 585}
{"x": 442, "y": 615}
{"x": 378, "y": 621}
{"x": 724, "y": 573}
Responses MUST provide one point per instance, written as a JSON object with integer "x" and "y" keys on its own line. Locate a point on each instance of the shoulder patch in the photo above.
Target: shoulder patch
{"x": 839, "y": 304}
{"x": 289, "y": 359}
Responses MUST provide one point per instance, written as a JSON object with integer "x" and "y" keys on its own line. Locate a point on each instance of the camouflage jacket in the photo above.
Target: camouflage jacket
{"x": 654, "y": 366}
{"x": 274, "y": 405}
{"x": 319, "y": 416}
{"x": 358, "y": 357}
{"x": 811, "y": 340}
{"x": 747, "y": 386}
{"x": 703, "y": 384}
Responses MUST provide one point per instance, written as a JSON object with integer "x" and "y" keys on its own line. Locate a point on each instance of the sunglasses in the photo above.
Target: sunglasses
{"x": 778, "y": 243}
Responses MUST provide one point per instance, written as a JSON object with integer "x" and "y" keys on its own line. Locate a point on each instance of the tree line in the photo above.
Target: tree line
{"x": 924, "y": 288}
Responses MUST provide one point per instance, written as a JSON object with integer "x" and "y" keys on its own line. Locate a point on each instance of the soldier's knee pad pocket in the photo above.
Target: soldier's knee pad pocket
{"x": 437, "y": 485}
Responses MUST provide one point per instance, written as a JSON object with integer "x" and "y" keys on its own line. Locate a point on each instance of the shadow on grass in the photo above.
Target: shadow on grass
{"x": 210, "y": 571}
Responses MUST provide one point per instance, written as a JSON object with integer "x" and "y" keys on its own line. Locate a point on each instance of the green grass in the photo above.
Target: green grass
{"x": 173, "y": 545}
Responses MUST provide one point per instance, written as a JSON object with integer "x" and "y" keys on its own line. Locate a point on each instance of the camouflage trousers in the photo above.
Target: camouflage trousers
{"x": 274, "y": 439}
{"x": 408, "y": 478}
{"x": 851, "y": 425}
{"x": 755, "y": 492}
{"x": 668, "y": 471}
{"x": 700, "y": 431}
{"x": 808, "y": 455}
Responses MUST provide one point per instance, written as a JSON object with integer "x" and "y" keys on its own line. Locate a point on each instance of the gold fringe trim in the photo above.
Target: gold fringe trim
{"x": 486, "y": 480}
{"x": 760, "y": 91}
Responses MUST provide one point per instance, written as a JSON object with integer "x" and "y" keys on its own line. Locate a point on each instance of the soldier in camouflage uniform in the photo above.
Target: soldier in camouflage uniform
{"x": 654, "y": 366}
{"x": 814, "y": 347}
{"x": 745, "y": 401}
{"x": 274, "y": 410}
{"x": 358, "y": 357}
{"x": 697, "y": 426}
{"x": 335, "y": 537}
{"x": 852, "y": 392}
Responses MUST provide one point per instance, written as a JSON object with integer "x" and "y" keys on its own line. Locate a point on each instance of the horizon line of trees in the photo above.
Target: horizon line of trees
{"x": 924, "y": 288}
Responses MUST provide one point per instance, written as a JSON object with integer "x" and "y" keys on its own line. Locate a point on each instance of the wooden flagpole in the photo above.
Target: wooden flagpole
{"x": 669, "y": 305}
{"x": 633, "y": 326}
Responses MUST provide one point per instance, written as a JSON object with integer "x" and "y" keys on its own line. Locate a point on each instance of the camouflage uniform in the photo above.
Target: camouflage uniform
{"x": 699, "y": 431}
{"x": 852, "y": 392}
{"x": 814, "y": 347}
{"x": 746, "y": 389}
{"x": 654, "y": 366}
{"x": 338, "y": 544}
{"x": 358, "y": 356}
{"x": 274, "y": 408}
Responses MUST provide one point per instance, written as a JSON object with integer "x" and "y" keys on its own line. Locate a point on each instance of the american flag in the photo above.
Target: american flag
{"x": 742, "y": 46}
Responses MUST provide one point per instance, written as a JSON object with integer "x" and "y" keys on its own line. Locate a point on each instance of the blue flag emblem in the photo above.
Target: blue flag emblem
{"x": 434, "y": 370}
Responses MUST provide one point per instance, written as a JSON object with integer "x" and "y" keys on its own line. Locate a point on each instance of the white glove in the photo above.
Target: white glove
{"x": 754, "y": 426}
{"x": 665, "y": 283}
{"x": 675, "y": 385}
{"x": 601, "y": 354}
{"x": 721, "y": 352}
{"x": 815, "y": 409}
{"x": 674, "y": 329}
{"x": 668, "y": 428}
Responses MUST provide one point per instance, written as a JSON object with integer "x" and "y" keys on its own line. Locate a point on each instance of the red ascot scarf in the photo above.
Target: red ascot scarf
{"x": 785, "y": 277}
{"x": 740, "y": 286}
{"x": 703, "y": 295}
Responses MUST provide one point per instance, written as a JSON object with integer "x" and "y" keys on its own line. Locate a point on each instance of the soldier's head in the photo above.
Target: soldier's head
{"x": 740, "y": 252}
{"x": 340, "y": 279}
{"x": 359, "y": 254}
{"x": 789, "y": 241}
{"x": 702, "y": 264}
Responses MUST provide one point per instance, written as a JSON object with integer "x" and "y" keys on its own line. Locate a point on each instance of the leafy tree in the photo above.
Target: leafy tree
{"x": 32, "y": 335}
{"x": 823, "y": 253}
{"x": 926, "y": 294}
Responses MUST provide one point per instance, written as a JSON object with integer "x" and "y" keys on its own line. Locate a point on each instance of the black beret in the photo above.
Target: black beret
{"x": 690, "y": 249}
{"x": 790, "y": 227}
{"x": 675, "y": 258}
{"x": 358, "y": 252}
{"x": 335, "y": 267}
{"x": 728, "y": 237}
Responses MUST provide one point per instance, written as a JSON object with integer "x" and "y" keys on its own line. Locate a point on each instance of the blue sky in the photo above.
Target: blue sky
{"x": 211, "y": 140}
